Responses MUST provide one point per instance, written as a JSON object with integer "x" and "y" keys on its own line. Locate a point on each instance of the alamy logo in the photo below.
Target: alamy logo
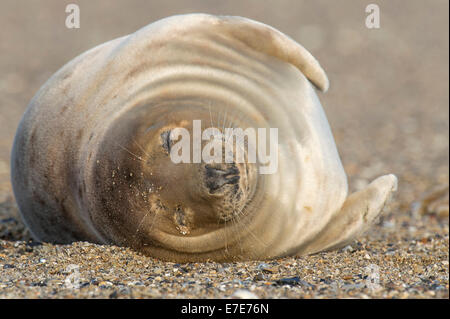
{"x": 73, "y": 17}
{"x": 373, "y": 17}
{"x": 72, "y": 281}
{"x": 373, "y": 277}
{"x": 229, "y": 146}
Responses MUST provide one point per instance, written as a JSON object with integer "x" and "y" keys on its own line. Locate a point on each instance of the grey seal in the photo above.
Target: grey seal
{"x": 90, "y": 160}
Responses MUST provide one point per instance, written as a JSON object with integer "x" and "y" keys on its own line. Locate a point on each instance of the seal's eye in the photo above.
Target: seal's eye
{"x": 166, "y": 141}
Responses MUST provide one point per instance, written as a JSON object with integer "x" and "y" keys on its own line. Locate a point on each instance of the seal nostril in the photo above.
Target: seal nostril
{"x": 211, "y": 171}
{"x": 233, "y": 170}
{"x": 233, "y": 180}
{"x": 218, "y": 177}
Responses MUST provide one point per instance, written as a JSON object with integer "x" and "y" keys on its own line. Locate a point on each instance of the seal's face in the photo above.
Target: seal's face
{"x": 172, "y": 204}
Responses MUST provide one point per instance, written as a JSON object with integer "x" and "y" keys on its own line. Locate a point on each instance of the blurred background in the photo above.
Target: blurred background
{"x": 388, "y": 103}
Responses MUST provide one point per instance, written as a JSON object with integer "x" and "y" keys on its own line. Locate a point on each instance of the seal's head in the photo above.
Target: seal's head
{"x": 175, "y": 202}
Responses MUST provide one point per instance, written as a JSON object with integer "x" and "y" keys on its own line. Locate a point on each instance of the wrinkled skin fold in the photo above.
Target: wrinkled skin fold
{"x": 90, "y": 158}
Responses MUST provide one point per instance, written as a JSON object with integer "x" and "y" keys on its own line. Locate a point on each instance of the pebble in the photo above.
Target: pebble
{"x": 244, "y": 294}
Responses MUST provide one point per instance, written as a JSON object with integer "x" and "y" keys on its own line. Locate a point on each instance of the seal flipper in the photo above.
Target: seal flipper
{"x": 255, "y": 35}
{"x": 265, "y": 39}
{"x": 356, "y": 215}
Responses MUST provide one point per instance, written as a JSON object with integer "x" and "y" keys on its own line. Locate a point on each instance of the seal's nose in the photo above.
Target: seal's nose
{"x": 218, "y": 175}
